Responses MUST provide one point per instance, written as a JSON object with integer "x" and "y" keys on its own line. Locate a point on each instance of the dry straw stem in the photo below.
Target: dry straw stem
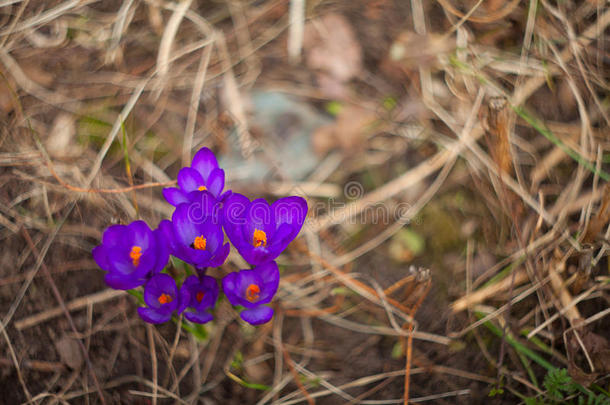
{"x": 492, "y": 290}
{"x": 565, "y": 298}
{"x": 494, "y": 314}
{"x": 169, "y": 35}
{"x": 297, "y": 24}
{"x": 74, "y": 305}
{"x": 567, "y": 306}
{"x": 497, "y": 15}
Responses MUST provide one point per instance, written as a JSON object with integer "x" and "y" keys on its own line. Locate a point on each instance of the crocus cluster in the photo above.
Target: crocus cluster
{"x": 134, "y": 255}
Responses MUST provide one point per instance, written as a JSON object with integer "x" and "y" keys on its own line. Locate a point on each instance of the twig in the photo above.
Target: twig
{"x": 410, "y": 340}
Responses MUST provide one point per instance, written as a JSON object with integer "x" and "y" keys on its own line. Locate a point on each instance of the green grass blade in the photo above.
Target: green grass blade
{"x": 539, "y": 126}
{"x": 518, "y": 346}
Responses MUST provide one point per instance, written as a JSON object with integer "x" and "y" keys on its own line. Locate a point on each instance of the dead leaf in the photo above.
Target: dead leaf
{"x": 332, "y": 49}
{"x": 598, "y": 350}
{"x": 580, "y": 376}
{"x": 6, "y": 98}
{"x": 69, "y": 352}
{"x": 599, "y": 221}
{"x": 411, "y": 50}
{"x": 37, "y": 74}
{"x": 61, "y": 142}
{"x": 352, "y": 127}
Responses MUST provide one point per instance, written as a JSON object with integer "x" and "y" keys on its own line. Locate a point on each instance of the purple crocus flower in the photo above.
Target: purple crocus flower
{"x": 203, "y": 174}
{"x": 252, "y": 289}
{"x": 194, "y": 234}
{"x": 161, "y": 296}
{"x": 259, "y": 231}
{"x": 197, "y": 296}
{"x": 130, "y": 254}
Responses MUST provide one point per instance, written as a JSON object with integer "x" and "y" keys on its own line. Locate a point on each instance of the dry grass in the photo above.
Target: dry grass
{"x": 488, "y": 120}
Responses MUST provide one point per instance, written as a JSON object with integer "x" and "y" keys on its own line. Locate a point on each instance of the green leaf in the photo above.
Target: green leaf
{"x": 197, "y": 330}
{"x": 397, "y": 351}
{"x": 237, "y": 361}
{"x": 334, "y": 108}
{"x": 406, "y": 244}
{"x": 138, "y": 294}
{"x": 244, "y": 383}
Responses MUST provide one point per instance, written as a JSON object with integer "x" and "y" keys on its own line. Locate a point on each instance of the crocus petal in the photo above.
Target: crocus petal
{"x": 192, "y": 287}
{"x": 260, "y": 255}
{"x": 284, "y": 234}
{"x": 216, "y": 182}
{"x": 142, "y": 234}
{"x": 212, "y": 231}
{"x": 225, "y": 195}
{"x": 204, "y": 162}
{"x": 229, "y": 286}
{"x": 175, "y": 196}
{"x": 157, "y": 285}
{"x": 221, "y": 255}
{"x": 151, "y": 315}
{"x": 198, "y": 258}
{"x": 257, "y": 316}
{"x": 146, "y": 266}
{"x": 185, "y": 229}
{"x": 100, "y": 255}
{"x": 234, "y": 217}
{"x": 120, "y": 282}
{"x": 120, "y": 262}
{"x": 245, "y": 278}
{"x": 270, "y": 274}
{"x": 290, "y": 210}
{"x": 167, "y": 229}
{"x": 189, "y": 179}
{"x": 162, "y": 251}
{"x": 115, "y": 235}
{"x": 259, "y": 216}
{"x": 198, "y": 316}
{"x": 185, "y": 292}
{"x": 211, "y": 287}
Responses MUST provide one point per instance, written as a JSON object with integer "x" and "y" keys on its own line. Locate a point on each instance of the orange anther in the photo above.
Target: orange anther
{"x": 164, "y": 299}
{"x": 252, "y": 292}
{"x": 199, "y": 296}
{"x": 259, "y": 238}
{"x": 200, "y": 243}
{"x": 202, "y": 188}
{"x": 135, "y": 254}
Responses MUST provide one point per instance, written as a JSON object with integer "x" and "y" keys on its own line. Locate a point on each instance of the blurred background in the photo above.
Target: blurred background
{"x": 454, "y": 155}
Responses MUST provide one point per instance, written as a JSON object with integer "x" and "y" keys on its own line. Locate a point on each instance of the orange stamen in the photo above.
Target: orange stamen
{"x": 135, "y": 254}
{"x": 199, "y": 296}
{"x": 202, "y": 188}
{"x": 252, "y": 292}
{"x": 164, "y": 299}
{"x": 200, "y": 243}
{"x": 259, "y": 238}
